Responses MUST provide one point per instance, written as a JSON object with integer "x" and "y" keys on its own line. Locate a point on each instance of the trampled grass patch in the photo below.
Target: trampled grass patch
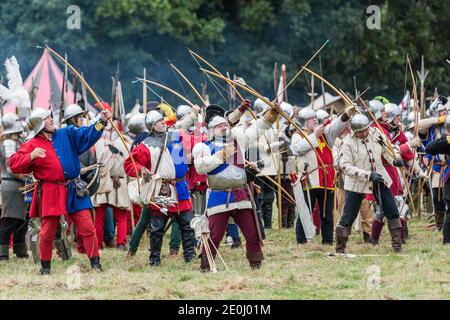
{"x": 289, "y": 271}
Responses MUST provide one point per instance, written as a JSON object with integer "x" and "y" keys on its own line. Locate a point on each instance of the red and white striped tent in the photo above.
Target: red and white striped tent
{"x": 47, "y": 78}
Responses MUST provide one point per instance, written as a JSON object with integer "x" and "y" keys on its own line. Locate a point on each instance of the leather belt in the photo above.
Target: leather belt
{"x": 173, "y": 181}
{"x": 11, "y": 179}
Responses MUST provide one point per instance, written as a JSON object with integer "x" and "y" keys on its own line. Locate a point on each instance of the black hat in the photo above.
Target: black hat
{"x": 151, "y": 105}
{"x": 213, "y": 110}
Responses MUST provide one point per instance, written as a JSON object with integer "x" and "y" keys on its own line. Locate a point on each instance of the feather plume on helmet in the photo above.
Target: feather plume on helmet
{"x": 15, "y": 93}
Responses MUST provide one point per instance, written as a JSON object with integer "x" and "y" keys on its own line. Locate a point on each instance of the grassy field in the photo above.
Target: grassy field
{"x": 289, "y": 271}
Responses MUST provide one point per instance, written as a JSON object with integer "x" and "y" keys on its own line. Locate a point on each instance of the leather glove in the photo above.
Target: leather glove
{"x": 375, "y": 177}
{"x": 146, "y": 174}
{"x": 350, "y": 110}
{"x": 348, "y": 113}
{"x": 246, "y": 104}
{"x": 423, "y": 175}
{"x": 398, "y": 163}
{"x": 228, "y": 150}
{"x": 416, "y": 142}
{"x": 272, "y": 114}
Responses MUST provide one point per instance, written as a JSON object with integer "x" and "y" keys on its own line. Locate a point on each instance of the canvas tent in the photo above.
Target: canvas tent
{"x": 46, "y": 80}
{"x": 332, "y": 103}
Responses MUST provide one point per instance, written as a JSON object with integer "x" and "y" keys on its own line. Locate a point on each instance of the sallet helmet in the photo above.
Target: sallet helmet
{"x": 392, "y": 110}
{"x": 11, "y": 124}
{"x": 305, "y": 114}
{"x": 359, "y": 122}
{"x": 151, "y": 118}
{"x": 36, "y": 119}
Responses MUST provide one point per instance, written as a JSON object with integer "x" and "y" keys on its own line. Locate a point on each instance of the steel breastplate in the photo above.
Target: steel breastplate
{"x": 232, "y": 177}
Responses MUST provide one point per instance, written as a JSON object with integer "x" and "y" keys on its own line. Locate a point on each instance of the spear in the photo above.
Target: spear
{"x": 422, "y": 77}
{"x": 63, "y": 90}
{"x": 275, "y": 79}
{"x": 275, "y": 88}
{"x": 74, "y": 88}
{"x": 144, "y": 93}
{"x": 301, "y": 70}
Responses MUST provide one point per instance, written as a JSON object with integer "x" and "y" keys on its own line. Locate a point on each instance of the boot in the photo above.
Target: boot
{"x": 403, "y": 222}
{"x": 446, "y": 230}
{"x": 131, "y": 254}
{"x": 155, "y": 250}
{"x": 284, "y": 216}
{"x": 377, "y": 227}
{"x": 21, "y": 250}
{"x": 122, "y": 247}
{"x": 395, "y": 229}
{"x": 173, "y": 251}
{"x": 188, "y": 241}
{"x": 46, "y": 267}
{"x": 367, "y": 238}
{"x": 110, "y": 244}
{"x": 406, "y": 230}
{"x": 4, "y": 252}
{"x": 95, "y": 264}
{"x": 204, "y": 264}
{"x": 236, "y": 243}
{"x": 267, "y": 215}
{"x": 255, "y": 259}
{"x": 439, "y": 215}
{"x": 342, "y": 234}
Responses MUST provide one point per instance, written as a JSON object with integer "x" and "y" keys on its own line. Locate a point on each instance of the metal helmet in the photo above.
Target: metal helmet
{"x": 151, "y": 118}
{"x": 322, "y": 115}
{"x": 136, "y": 124}
{"x": 392, "y": 110}
{"x": 215, "y": 121}
{"x": 287, "y": 108}
{"x": 305, "y": 114}
{"x": 437, "y": 106}
{"x": 359, "y": 122}
{"x": 376, "y": 106}
{"x": 11, "y": 124}
{"x": 260, "y": 106}
{"x": 411, "y": 119}
{"x": 36, "y": 119}
{"x": 183, "y": 110}
{"x": 72, "y": 110}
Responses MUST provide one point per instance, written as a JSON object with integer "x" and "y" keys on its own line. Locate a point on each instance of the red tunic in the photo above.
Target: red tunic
{"x": 196, "y": 181}
{"x": 326, "y": 174}
{"x": 141, "y": 155}
{"x": 48, "y": 170}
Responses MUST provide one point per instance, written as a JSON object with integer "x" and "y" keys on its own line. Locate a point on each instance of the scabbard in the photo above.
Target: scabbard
{"x": 255, "y": 214}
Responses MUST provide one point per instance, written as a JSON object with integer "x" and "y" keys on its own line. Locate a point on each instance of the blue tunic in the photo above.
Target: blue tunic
{"x": 69, "y": 143}
{"x": 431, "y": 136}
